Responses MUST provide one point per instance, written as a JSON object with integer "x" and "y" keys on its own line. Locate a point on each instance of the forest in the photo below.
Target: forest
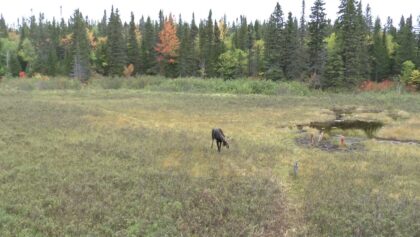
{"x": 356, "y": 47}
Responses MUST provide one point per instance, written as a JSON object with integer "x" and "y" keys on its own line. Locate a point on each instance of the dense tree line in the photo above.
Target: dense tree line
{"x": 326, "y": 54}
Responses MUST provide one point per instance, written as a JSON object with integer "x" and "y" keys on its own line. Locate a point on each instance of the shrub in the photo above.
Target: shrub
{"x": 143, "y": 82}
{"x": 128, "y": 70}
{"x": 377, "y": 86}
{"x": 58, "y": 84}
{"x": 407, "y": 69}
{"x": 111, "y": 83}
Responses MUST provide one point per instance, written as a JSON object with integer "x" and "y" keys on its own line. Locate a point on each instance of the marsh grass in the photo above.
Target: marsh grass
{"x": 138, "y": 163}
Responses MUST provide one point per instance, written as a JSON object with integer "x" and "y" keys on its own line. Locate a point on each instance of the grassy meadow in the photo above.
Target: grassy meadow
{"x": 78, "y": 161}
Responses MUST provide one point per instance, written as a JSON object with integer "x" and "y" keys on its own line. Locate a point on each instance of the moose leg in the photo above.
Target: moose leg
{"x": 219, "y": 145}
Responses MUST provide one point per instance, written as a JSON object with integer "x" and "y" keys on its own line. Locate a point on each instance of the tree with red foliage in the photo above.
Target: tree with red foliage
{"x": 167, "y": 47}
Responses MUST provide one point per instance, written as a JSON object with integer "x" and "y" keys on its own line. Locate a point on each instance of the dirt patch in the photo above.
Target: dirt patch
{"x": 332, "y": 144}
{"x": 369, "y": 127}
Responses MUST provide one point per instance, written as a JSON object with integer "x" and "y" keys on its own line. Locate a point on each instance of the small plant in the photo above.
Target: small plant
{"x": 128, "y": 70}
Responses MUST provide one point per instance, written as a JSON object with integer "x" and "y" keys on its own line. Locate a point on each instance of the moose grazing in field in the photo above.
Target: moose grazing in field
{"x": 218, "y": 135}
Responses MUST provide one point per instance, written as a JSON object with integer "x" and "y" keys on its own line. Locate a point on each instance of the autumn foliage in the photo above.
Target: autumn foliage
{"x": 377, "y": 86}
{"x": 168, "y": 45}
{"x": 128, "y": 70}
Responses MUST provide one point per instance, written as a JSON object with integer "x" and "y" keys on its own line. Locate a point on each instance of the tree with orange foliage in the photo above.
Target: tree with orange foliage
{"x": 167, "y": 48}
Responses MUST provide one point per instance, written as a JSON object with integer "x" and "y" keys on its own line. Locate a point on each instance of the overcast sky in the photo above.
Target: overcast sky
{"x": 253, "y": 9}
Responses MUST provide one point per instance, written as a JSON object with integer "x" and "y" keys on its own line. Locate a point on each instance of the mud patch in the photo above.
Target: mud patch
{"x": 369, "y": 127}
{"x": 351, "y": 144}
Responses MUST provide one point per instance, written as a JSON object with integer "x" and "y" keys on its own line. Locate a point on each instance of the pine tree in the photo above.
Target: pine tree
{"x": 242, "y": 35}
{"x": 133, "y": 52}
{"x": 3, "y": 28}
{"x": 349, "y": 41}
{"x": 147, "y": 51}
{"x": 274, "y": 45}
{"x": 210, "y": 60}
{"x": 380, "y": 66}
{"x": 317, "y": 32}
{"x": 303, "y": 50}
{"x": 407, "y": 43}
{"x": 291, "y": 33}
{"x": 185, "y": 53}
{"x": 252, "y": 56}
{"x": 364, "y": 34}
{"x": 116, "y": 45}
{"x": 80, "y": 48}
{"x": 194, "y": 60}
{"x": 218, "y": 48}
{"x": 202, "y": 39}
{"x": 102, "y": 26}
{"x": 334, "y": 71}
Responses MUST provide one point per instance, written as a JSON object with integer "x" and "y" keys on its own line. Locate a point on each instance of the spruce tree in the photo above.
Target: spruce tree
{"x": 211, "y": 61}
{"x": 349, "y": 41}
{"x": 133, "y": 50}
{"x": 184, "y": 61}
{"x": 364, "y": 33}
{"x": 334, "y": 71}
{"x": 147, "y": 51}
{"x": 80, "y": 48}
{"x": 291, "y": 54}
{"x": 218, "y": 48}
{"x": 407, "y": 43}
{"x": 194, "y": 60}
{"x": 380, "y": 60}
{"x": 303, "y": 50}
{"x": 317, "y": 33}
{"x": 274, "y": 45}
{"x": 3, "y": 28}
{"x": 102, "y": 26}
{"x": 116, "y": 45}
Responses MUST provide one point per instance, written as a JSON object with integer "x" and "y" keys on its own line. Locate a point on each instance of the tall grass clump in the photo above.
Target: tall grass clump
{"x": 356, "y": 200}
{"x": 45, "y": 83}
{"x": 240, "y": 86}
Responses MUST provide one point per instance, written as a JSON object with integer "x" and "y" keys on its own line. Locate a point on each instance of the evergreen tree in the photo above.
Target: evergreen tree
{"x": 218, "y": 48}
{"x": 80, "y": 48}
{"x": 257, "y": 30}
{"x": 407, "y": 43}
{"x": 161, "y": 20}
{"x": 334, "y": 71}
{"x": 274, "y": 45}
{"x": 185, "y": 52}
{"x": 252, "y": 56}
{"x": 116, "y": 45}
{"x": 194, "y": 60}
{"x": 349, "y": 41}
{"x": 291, "y": 54}
{"x": 3, "y": 28}
{"x": 133, "y": 53}
{"x": 202, "y": 41}
{"x": 242, "y": 35}
{"x": 303, "y": 50}
{"x": 379, "y": 53}
{"x": 211, "y": 61}
{"x": 102, "y": 26}
{"x": 147, "y": 52}
{"x": 363, "y": 30}
{"x": 317, "y": 32}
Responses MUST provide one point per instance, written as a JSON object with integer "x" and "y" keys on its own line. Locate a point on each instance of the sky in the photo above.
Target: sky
{"x": 252, "y": 9}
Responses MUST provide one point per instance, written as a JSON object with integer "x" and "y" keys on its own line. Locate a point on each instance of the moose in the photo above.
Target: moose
{"x": 218, "y": 135}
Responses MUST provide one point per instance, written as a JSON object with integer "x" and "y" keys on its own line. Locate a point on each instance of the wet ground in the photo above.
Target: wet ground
{"x": 332, "y": 144}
